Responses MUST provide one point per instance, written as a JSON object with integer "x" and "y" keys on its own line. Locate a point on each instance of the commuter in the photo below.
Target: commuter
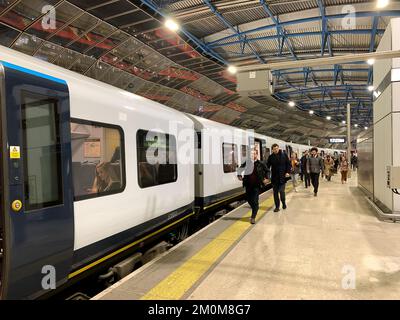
{"x": 354, "y": 162}
{"x": 279, "y": 163}
{"x": 315, "y": 166}
{"x": 304, "y": 160}
{"x": 294, "y": 169}
{"x": 343, "y": 168}
{"x": 328, "y": 167}
{"x": 106, "y": 179}
{"x": 255, "y": 174}
{"x": 336, "y": 166}
{"x": 301, "y": 173}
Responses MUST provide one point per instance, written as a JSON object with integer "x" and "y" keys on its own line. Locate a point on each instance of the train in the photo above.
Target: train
{"x": 80, "y": 189}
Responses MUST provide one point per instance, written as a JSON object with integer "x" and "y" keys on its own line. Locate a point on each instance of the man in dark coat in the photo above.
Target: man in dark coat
{"x": 303, "y": 161}
{"x": 280, "y": 170}
{"x": 255, "y": 174}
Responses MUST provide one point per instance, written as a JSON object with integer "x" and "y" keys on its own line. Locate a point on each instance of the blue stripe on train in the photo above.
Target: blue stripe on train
{"x": 32, "y": 72}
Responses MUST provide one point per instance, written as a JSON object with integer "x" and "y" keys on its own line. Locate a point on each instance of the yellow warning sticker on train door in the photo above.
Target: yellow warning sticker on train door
{"x": 15, "y": 152}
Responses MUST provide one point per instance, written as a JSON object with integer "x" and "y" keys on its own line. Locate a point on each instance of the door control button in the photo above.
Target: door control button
{"x": 16, "y": 205}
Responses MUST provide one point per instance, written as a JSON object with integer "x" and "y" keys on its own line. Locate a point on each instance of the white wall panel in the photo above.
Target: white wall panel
{"x": 382, "y": 158}
{"x": 383, "y": 106}
{"x": 396, "y": 154}
{"x": 382, "y": 67}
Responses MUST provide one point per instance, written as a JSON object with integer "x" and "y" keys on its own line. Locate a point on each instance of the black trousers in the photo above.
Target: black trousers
{"x": 252, "y": 194}
{"x": 279, "y": 191}
{"x": 315, "y": 181}
{"x": 307, "y": 181}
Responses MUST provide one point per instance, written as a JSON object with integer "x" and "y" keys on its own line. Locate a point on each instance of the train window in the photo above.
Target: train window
{"x": 244, "y": 152}
{"x": 98, "y": 161}
{"x": 230, "y": 156}
{"x": 265, "y": 153}
{"x": 157, "y": 158}
{"x": 41, "y": 146}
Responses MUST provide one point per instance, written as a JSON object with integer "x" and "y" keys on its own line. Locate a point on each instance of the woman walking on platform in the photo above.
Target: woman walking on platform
{"x": 328, "y": 166}
{"x": 294, "y": 169}
{"x": 343, "y": 167}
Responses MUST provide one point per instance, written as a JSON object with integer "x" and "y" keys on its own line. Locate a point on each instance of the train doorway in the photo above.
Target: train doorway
{"x": 2, "y": 189}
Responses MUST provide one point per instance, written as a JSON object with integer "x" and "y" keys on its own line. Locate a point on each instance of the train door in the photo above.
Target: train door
{"x": 289, "y": 150}
{"x": 257, "y": 147}
{"x": 37, "y": 203}
{"x": 2, "y": 179}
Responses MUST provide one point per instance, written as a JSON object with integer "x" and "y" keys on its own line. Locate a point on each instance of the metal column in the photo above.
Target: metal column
{"x": 348, "y": 139}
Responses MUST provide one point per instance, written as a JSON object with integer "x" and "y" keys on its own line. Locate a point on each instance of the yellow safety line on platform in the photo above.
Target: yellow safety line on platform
{"x": 174, "y": 286}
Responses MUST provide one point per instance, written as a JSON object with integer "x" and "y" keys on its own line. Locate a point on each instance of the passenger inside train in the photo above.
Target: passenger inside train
{"x": 96, "y": 158}
{"x": 106, "y": 179}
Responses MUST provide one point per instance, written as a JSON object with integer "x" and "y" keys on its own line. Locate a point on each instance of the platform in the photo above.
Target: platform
{"x": 326, "y": 247}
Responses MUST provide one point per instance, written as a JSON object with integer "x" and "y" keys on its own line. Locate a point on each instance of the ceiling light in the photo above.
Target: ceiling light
{"x": 366, "y": 128}
{"x": 311, "y": 112}
{"x": 382, "y": 4}
{"x": 344, "y": 122}
{"x": 356, "y": 125}
{"x": 232, "y": 69}
{"x": 328, "y": 118}
{"x": 171, "y": 25}
{"x": 291, "y": 104}
{"x": 371, "y": 61}
{"x": 371, "y": 88}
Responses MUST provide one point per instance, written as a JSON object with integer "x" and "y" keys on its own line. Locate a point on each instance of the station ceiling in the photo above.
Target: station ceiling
{"x": 125, "y": 43}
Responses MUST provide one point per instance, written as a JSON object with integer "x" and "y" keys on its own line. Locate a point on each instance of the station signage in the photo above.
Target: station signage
{"x": 337, "y": 140}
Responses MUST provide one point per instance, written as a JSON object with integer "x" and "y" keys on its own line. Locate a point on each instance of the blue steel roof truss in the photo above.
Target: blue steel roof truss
{"x": 328, "y": 102}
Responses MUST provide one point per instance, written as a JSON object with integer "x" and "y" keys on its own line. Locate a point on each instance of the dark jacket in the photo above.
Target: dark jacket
{"x": 280, "y": 165}
{"x": 261, "y": 172}
{"x": 303, "y": 162}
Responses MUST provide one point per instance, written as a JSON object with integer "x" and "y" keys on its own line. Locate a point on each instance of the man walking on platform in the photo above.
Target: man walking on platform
{"x": 303, "y": 161}
{"x": 280, "y": 170}
{"x": 255, "y": 174}
{"x": 315, "y": 166}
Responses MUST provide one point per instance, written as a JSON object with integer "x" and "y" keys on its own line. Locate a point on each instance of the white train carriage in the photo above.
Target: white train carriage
{"x": 84, "y": 185}
{"x": 220, "y": 151}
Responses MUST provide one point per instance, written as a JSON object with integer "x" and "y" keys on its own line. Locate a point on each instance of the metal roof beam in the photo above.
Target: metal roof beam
{"x": 295, "y": 88}
{"x": 365, "y": 14}
{"x": 279, "y": 30}
{"x": 335, "y": 88}
{"x": 325, "y": 35}
{"x": 237, "y": 31}
{"x": 334, "y": 101}
{"x": 297, "y": 35}
{"x": 324, "y": 70}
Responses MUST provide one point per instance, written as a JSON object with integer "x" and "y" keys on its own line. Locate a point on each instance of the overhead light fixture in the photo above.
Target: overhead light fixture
{"x": 356, "y": 125}
{"x": 291, "y": 104}
{"x": 371, "y": 88}
{"x": 311, "y": 112}
{"x": 328, "y": 118}
{"x": 232, "y": 69}
{"x": 171, "y": 25}
{"x": 344, "y": 122}
{"x": 382, "y": 4}
{"x": 371, "y": 61}
{"x": 366, "y": 128}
